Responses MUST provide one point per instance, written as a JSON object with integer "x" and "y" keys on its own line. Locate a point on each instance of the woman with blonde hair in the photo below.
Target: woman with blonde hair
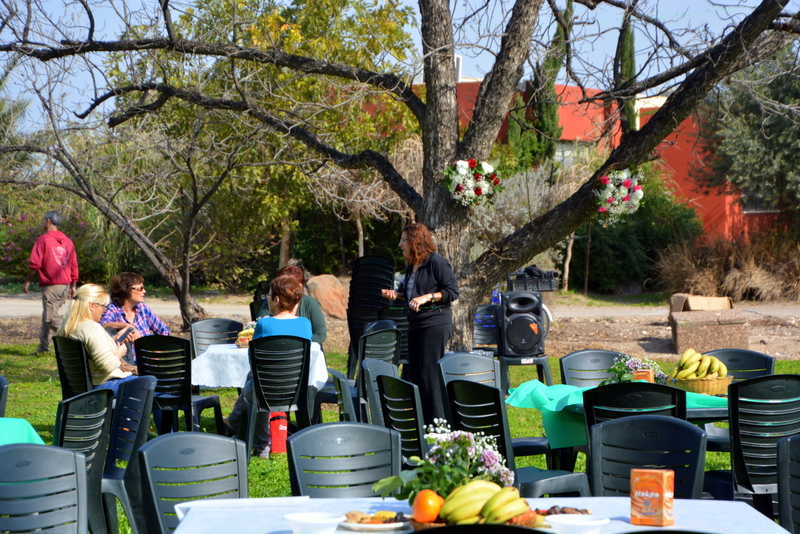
{"x": 82, "y": 322}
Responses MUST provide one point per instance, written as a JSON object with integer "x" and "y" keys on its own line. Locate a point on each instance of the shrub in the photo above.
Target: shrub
{"x": 766, "y": 267}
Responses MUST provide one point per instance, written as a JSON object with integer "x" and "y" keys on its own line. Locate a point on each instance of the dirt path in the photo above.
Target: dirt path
{"x": 774, "y": 328}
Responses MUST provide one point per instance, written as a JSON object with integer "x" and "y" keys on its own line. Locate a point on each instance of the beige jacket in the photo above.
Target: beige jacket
{"x": 101, "y": 349}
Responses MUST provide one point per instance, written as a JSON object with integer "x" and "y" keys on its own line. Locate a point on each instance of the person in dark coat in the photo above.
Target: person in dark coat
{"x": 429, "y": 288}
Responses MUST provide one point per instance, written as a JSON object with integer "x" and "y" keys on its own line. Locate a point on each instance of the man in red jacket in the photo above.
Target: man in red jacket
{"x": 53, "y": 258}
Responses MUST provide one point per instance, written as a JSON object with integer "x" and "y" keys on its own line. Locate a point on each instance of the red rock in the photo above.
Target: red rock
{"x": 330, "y": 293}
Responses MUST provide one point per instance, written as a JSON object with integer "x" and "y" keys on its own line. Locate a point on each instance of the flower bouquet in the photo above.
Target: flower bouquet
{"x": 471, "y": 182}
{"x": 625, "y": 368}
{"x": 460, "y": 467}
{"x": 620, "y": 195}
{"x": 454, "y": 459}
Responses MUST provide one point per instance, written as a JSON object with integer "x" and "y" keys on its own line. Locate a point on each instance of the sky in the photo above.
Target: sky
{"x": 691, "y": 13}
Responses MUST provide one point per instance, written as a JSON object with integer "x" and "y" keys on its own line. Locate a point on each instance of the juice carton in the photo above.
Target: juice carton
{"x": 652, "y": 497}
{"x": 644, "y": 374}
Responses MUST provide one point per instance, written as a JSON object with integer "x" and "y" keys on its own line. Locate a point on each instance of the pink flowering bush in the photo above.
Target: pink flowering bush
{"x": 454, "y": 459}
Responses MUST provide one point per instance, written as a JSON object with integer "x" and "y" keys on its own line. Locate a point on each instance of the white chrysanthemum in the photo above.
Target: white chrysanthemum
{"x": 486, "y": 168}
{"x": 637, "y": 195}
{"x": 462, "y": 167}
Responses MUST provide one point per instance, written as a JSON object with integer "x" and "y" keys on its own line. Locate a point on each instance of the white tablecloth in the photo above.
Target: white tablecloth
{"x": 265, "y": 516}
{"x": 226, "y": 366}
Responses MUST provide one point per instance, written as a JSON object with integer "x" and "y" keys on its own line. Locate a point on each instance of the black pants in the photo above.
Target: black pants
{"x": 425, "y": 348}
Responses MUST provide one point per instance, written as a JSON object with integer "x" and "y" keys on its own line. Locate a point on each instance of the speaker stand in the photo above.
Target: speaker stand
{"x": 541, "y": 363}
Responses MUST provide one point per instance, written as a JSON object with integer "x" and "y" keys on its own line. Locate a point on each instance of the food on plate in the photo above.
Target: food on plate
{"x": 380, "y": 517}
{"x": 556, "y": 510}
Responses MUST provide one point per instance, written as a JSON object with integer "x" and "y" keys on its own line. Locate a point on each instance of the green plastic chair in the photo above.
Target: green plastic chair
{"x": 42, "y": 489}
{"x": 188, "y": 466}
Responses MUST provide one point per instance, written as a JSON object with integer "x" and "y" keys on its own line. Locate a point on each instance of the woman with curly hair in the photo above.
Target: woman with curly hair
{"x": 128, "y": 309}
{"x": 429, "y": 287}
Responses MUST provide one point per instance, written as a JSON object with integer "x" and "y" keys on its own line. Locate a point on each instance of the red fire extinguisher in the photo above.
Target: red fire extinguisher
{"x": 278, "y": 426}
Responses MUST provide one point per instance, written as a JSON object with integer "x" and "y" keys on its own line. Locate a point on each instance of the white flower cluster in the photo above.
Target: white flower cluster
{"x": 620, "y": 195}
{"x": 471, "y": 182}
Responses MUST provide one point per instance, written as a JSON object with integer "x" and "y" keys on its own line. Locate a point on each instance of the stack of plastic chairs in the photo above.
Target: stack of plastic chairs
{"x": 371, "y": 274}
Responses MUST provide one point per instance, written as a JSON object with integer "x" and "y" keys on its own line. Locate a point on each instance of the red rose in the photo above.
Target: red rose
{"x": 627, "y": 184}
{"x": 478, "y": 177}
{"x": 472, "y": 163}
{"x": 602, "y": 209}
{"x": 626, "y": 198}
{"x": 495, "y": 180}
{"x": 459, "y": 188}
{"x": 604, "y": 180}
{"x": 478, "y": 191}
{"x": 637, "y": 188}
{"x": 610, "y": 200}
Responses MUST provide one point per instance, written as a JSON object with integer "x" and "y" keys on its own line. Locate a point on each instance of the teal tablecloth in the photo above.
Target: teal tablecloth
{"x": 566, "y": 428}
{"x": 17, "y": 431}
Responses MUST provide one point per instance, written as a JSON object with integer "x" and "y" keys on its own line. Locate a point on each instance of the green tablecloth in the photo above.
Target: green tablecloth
{"x": 566, "y": 428}
{"x": 17, "y": 431}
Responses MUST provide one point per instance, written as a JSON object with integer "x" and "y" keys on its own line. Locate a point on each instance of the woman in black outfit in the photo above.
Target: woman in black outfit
{"x": 429, "y": 287}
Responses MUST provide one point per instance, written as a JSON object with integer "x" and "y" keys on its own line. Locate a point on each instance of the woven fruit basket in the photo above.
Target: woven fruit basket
{"x": 422, "y": 526}
{"x": 708, "y": 386}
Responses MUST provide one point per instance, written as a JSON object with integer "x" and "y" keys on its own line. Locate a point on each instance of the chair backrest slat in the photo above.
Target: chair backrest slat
{"x": 373, "y": 368}
{"x": 341, "y": 459}
{"x": 647, "y": 442}
{"x": 73, "y": 366}
{"x": 761, "y": 411}
{"x": 168, "y": 358}
{"x": 624, "y": 399}
{"x": 476, "y": 407}
{"x": 213, "y": 332}
{"x": 587, "y": 368}
{"x": 280, "y": 367}
{"x": 402, "y": 411}
{"x": 744, "y": 364}
{"x": 42, "y": 489}
{"x": 3, "y": 395}
{"x": 188, "y": 466}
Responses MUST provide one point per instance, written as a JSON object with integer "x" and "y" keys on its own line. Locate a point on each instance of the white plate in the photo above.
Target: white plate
{"x": 375, "y": 527}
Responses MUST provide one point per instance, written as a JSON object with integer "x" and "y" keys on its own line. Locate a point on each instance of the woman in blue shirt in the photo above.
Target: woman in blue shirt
{"x": 284, "y": 295}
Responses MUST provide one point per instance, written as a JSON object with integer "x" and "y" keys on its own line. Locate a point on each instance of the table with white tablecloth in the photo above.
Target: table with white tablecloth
{"x": 265, "y": 516}
{"x": 226, "y": 366}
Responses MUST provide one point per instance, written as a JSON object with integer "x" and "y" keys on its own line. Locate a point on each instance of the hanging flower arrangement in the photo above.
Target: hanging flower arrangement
{"x": 472, "y": 183}
{"x": 620, "y": 194}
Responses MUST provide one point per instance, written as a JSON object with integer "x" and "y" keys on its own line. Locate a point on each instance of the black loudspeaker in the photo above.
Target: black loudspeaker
{"x": 524, "y": 329}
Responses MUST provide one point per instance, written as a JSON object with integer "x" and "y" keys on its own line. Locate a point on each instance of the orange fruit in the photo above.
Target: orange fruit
{"x": 426, "y": 506}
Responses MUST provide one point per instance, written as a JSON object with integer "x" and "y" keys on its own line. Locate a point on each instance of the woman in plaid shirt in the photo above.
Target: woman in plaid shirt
{"x": 127, "y": 309}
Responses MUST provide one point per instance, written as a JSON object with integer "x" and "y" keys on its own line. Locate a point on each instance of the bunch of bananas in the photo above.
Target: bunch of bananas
{"x": 482, "y": 501}
{"x": 694, "y": 365}
{"x": 244, "y": 337}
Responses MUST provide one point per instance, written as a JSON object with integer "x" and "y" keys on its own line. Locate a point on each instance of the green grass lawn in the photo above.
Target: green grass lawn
{"x": 35, "y": 392}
